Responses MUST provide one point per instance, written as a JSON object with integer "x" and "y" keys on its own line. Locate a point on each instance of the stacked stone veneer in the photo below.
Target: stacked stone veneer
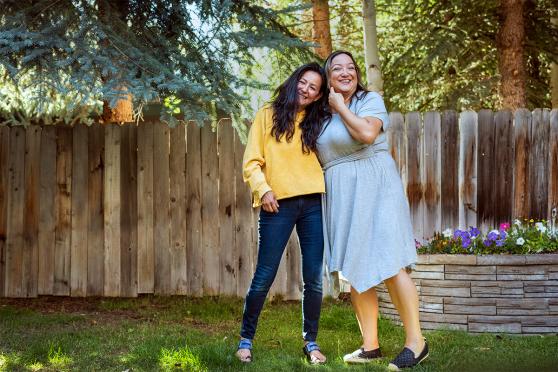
{"x": 495, "y": 293}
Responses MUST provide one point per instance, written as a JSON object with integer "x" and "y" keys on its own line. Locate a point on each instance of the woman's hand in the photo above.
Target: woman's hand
{"x": 269, "y": 203}
{"x": 336, "y": 100}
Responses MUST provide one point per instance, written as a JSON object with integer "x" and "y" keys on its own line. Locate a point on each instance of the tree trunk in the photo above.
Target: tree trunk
{"x": 554, "y": 77}
{"x": 371, "y": 58}
{"x": 122, "y": 111}
{"x": 511, "y": 64}
{"x": 321, "y": 34}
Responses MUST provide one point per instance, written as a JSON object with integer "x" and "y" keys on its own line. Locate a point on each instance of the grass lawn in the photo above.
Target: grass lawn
{"x": 173, "y": 333}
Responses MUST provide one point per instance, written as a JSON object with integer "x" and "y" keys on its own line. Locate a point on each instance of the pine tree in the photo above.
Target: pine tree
{"x": 187, "y": 53}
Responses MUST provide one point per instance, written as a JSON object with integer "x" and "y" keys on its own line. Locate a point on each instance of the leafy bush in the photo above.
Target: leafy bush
{"x": 525, "y": 237}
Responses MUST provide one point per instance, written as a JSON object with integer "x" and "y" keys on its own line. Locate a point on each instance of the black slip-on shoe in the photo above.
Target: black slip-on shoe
{"x": 406, "y": 358}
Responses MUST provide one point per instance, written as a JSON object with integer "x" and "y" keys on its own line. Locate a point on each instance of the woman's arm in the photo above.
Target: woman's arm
{"x": 252, "y": 165}
{"x": 363, "y": 129}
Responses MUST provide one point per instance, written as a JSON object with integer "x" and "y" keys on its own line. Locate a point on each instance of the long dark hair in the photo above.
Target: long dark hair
{"x": 360, "y": 84}
{"x": 285, "y": 109}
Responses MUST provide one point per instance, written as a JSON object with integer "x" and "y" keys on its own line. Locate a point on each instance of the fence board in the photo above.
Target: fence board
{"x": 467, "y": 172}
{"x": 396, "y": 140}
{"x": 450, "y": 160}
{"x": 522, "y": 129}
{"x": 95, "y": 200}
{"x": 128, "y": 212}
{"x": 63, "y": 230}
{"x": 179, "y": 278}
{"x": 14, "y": 253}
{"x": 485, "y": 170}
{"x": 227, "y": 246}
{"x": 431, "y": 165}
{"x": 553, "y": 164}
{"x": 112, "y": 206}
{"x": 146, "y": 253}
{"x": 243, "y": 221}
{"x": 210, "y": 211}
{"x": 193, "y": 210}
{"x": 538, "y": 164}
{"x": 503, "y": 166}
{"x": 161, "y": 198}
{"x": 413, "y": 163}
{"x": 47, "y": 211}
{"x": 31, "y": 210}
{"x": 80, "y": 212}
{"x": 4, "y": 176}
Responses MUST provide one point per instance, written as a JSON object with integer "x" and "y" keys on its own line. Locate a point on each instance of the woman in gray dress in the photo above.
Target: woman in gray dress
{"x": 367, "y": 226}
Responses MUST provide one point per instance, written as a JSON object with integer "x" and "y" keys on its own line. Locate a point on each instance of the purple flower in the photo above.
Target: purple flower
{"x": 500, "y": 242}
{"x": 487, "y": 243}
{"x": 461, "y": 234}
{"x": 465, "y": 242}
{"x": 493, "y": 235}
{"x": 474, "y": 232}
{"x": 503, "y": 235}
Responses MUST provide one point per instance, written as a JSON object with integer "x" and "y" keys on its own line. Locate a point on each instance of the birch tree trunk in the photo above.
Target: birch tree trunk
{"x": 554, "y": 77}
{"x": 371, "y": 58}
{"x": 511, "y": 63}
{"x": 321, "y": 34}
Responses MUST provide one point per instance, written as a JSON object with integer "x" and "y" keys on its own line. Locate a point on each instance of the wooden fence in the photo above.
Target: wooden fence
{"x": 120, "y": 211}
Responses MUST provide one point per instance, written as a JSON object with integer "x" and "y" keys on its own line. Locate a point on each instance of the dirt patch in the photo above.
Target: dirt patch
{"x": 95, "y": 311}
{"x": 90, "y": 306}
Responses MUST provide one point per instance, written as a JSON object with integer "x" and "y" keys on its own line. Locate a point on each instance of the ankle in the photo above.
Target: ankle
{"x": 416, "y": 345}
{"x": 368, "y": 346}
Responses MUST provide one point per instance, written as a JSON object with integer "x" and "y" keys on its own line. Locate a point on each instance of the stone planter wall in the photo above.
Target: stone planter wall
{"x": 515, "y": 294}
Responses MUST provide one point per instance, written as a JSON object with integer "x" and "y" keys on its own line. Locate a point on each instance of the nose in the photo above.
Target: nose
{"x": 304, "y": 88}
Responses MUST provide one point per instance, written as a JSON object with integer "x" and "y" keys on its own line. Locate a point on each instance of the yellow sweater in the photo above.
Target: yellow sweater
{"x": 279, "y": 166}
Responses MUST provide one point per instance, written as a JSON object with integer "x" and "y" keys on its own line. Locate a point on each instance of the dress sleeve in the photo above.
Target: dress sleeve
{"x": 373, "y": 105}
{"x": 254, "y": 159}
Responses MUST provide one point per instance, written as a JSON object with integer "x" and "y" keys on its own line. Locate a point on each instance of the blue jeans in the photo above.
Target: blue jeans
{"x": 304, "y": 212}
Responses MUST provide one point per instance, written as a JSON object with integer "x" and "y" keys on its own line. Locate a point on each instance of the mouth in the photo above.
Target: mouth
{"x": 302, "y": 96}
{"x": 345, "y": 81}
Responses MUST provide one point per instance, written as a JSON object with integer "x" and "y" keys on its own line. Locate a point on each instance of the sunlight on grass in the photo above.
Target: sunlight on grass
{"x": 57, "y": 358}
{"x": 181, "y": 358}
{"x": 37, "y": 366}
{"x": 3, "y": 362}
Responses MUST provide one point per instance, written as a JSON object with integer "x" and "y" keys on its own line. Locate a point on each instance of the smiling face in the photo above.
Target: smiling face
{"x": 343, "y": 75}
{"x": 308, "y": 88}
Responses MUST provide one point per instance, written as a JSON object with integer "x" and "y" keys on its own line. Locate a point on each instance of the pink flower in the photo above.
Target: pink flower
{"x": 504, "y": 226}
{"x": 417, "y": 244}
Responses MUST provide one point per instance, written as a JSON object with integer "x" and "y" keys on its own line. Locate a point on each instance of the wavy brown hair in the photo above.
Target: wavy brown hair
{"x": 285, "y": 108}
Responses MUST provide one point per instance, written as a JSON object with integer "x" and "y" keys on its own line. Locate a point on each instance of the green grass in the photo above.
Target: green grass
{"x": 171, "y": 333}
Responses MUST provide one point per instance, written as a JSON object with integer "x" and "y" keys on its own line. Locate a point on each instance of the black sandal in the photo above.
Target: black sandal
{"x": 310, "y": 347}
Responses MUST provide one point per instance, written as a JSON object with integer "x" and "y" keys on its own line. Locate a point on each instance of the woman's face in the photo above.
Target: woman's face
{"x": 309, "y": 87}
{"x": 343, "y": 75}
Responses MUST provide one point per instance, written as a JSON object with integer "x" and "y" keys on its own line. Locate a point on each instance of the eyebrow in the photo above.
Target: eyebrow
{"x": 339, "y": 64}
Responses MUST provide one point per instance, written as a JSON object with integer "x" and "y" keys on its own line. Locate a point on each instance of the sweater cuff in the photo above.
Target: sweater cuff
{"x": 258, "y": 194}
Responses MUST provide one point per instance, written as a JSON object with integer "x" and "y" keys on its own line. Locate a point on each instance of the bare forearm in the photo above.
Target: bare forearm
{"x": 364, "y": 130}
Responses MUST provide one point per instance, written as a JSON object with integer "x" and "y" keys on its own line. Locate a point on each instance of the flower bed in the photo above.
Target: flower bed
{"x": 478, "y": 292}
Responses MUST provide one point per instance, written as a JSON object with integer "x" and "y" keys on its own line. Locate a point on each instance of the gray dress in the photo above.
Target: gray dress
{"x": 367, "y": 225}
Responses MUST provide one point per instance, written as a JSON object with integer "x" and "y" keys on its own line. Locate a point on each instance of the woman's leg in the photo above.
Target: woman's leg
{"x": 310, "y": 234}
{"x": 404, "y": 297}
{"x": 274, "y": 232}
{"x": 365, "y": 305}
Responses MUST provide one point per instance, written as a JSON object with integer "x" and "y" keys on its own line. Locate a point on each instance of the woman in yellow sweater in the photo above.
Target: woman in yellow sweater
{"x": 286, "y": 180}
